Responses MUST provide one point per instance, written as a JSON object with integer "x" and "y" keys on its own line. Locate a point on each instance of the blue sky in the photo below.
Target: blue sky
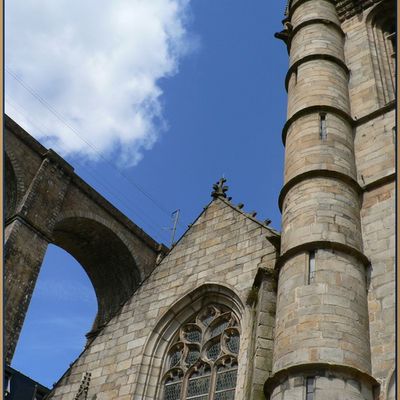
{"x": 193, "y": 91}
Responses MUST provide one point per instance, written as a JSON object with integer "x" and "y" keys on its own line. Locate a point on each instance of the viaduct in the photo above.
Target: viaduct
{"x": 46, "y": 202}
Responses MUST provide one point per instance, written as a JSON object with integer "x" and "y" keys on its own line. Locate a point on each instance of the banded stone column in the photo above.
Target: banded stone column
{"x": 321, "y": 348}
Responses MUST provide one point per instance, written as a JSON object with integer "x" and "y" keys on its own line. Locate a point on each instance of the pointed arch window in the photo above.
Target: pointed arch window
{"x": 382, "y": 32}
{"x": 201, "y": 362}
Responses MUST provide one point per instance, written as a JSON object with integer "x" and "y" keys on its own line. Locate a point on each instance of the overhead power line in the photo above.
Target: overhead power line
{"x": 63, "y": 120}
{"x": 108, "y": 188}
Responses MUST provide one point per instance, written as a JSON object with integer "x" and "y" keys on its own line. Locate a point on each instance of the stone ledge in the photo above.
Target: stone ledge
{"x": 317, "y": 173}
{"x": 311, "y": 110}
{"x": 322, "y": 244}
{"x": 283, "y": 374}
{"x": 312, "y": 57}
{"x": 312, "y": 21}
{"x": 298, "y": 3}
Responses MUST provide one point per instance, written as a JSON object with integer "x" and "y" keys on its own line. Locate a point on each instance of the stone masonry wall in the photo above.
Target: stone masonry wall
{"x": 264, "y": 325}
{"x": 377, "y": 217}
{"x": 326, "y": 320}
{"x": 305, "y": 151}
{"x": 374, "y": 144}
{"x": 223, "y": 247}
{"x": 327, "y": 386}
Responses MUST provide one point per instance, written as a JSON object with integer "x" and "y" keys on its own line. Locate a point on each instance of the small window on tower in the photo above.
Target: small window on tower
{"x": 311, "y": 267}
{"x": 310, "y": 388}
{"x": 323, "y": 134}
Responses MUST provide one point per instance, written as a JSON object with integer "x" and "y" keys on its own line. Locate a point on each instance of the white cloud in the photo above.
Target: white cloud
{"x": 97, "y": 63}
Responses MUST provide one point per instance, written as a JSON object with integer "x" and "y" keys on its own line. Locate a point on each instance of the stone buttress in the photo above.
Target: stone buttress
{"x": 321, "y": 347}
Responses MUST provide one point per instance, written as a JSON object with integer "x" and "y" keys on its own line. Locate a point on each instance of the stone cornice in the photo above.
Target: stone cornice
{"x": 312, "y": 57}
{"x": 323, "y": 245}
{"x": 317, "y": 173}
{"x": 311, "y": 110}
{"x": 283, "y": 374}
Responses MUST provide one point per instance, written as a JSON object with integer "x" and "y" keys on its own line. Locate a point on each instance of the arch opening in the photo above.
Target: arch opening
{"x": 61, "y": 311}
{"x": 105, "y": 258}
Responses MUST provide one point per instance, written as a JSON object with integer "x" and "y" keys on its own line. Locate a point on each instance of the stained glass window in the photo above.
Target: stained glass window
{"x": 208, "y": 316}
{"x": 219, "y": 328}
{"x": 233, "y": 343}
{"x": 193, "y": 335}
{"x": 226, "y": 379}
{"x": 213, "y": 351}
{"x": 202, "y": 362}
{"x": 199, "y": 383}
{"x": 192, "y": 356}
{"x": 175, "y": 355}
{"x": 173, "y": 385}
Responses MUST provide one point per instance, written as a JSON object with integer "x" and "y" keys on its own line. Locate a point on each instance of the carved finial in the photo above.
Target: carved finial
{"x": 240, "y": 206}
{"x": 84, "y": 387}
{"x": 219, "y": 189}
{"x": 253, "y": 214}
{"x": 267, "y": 222}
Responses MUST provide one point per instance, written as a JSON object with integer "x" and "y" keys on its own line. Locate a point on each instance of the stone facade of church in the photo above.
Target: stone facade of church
{"x": 236, "y": 310}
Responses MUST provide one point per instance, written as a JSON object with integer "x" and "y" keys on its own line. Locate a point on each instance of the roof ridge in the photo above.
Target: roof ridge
{"x": 250, "y": 216}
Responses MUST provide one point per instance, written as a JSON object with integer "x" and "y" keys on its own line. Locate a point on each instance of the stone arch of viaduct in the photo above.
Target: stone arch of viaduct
{"x": 46, "y": 202}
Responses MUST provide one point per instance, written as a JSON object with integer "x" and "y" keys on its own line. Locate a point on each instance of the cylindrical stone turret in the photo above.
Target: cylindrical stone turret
{"x": 322, "y": 333}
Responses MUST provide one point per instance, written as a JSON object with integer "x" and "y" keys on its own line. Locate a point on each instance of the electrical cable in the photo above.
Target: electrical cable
{"x": 65, "y": 122}
{"x": 108, "y": 188}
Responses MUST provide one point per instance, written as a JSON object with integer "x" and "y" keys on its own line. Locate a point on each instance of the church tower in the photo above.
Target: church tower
{"x": 236, "y": 310}
{"x": 325, "y": 297}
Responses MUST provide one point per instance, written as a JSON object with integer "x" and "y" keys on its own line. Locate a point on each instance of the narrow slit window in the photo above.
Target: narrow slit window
{"x": 311, "y": 267}
{"x": 310, "y": 385}
{"x": 323, "y": 134}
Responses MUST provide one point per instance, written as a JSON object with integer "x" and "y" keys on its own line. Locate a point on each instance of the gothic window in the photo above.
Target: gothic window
{"x": 382, "y": 33}
{"x": 201, "y": 362}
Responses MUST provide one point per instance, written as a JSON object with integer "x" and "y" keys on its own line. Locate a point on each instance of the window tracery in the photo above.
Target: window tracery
{"x": 201, "y": 362}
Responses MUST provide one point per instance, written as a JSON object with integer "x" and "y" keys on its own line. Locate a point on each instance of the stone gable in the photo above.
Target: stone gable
{"x": 222, "y": 251}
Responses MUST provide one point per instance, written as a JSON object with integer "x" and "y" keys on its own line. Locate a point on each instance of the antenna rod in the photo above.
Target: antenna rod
{"x": 176, "y": 213}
